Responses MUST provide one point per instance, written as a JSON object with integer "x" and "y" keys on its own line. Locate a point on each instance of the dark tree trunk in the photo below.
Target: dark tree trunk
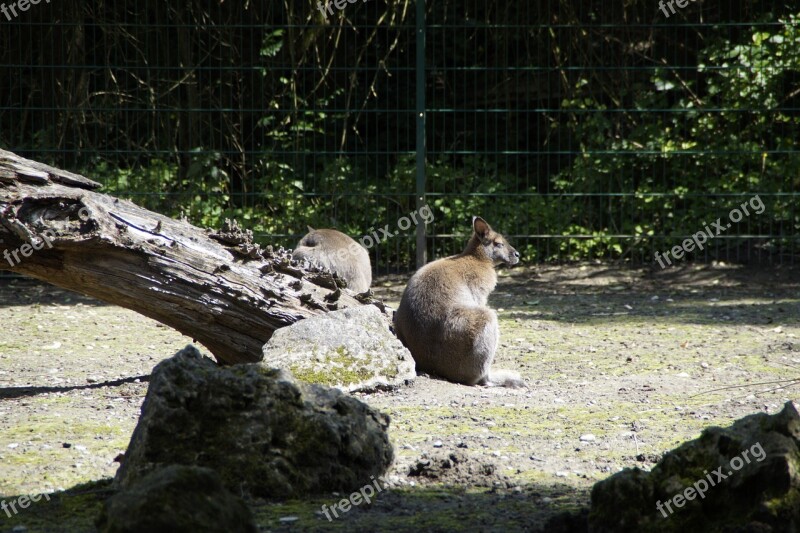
{"x": 217, "y": 287}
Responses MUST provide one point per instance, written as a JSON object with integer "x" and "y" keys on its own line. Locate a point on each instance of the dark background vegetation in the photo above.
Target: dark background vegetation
{"x": 581, "y": 129}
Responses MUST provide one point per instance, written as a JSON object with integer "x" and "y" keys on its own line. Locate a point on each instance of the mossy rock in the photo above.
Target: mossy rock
{"x": 352, "y": 349}
{"x": 259, "y": 429}
{"x": 742, "y": 478}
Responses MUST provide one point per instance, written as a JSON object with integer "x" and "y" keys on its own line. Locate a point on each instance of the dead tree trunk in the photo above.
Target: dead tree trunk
{"x": 217, "y": 287}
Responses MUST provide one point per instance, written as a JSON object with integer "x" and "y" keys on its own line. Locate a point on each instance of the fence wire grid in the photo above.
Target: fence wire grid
{"x": 582, "y": 131}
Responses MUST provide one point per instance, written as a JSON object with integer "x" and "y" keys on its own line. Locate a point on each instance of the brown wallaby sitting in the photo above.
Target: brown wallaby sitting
{"x": 338, "y": 253}
{"x": 443, "y": 319}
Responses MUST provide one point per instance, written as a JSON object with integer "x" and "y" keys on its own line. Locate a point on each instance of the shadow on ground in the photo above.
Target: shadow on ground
{"x": 429, "y": 509}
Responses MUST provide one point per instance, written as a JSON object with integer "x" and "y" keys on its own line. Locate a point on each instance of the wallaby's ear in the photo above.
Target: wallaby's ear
{"x": 310, "y": 229}
{"x": 481, "y": 227}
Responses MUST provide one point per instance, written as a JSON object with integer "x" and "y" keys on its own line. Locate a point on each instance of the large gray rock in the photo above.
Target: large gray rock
{"x": 353, "y": 349}
{"x": 176, "y": 499}
{"x": 748, "y": 473}
{"x": 260, "y": 430}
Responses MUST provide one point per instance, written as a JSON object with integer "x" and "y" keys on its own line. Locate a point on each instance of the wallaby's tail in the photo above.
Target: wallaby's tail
{"x": 504, "y": 378}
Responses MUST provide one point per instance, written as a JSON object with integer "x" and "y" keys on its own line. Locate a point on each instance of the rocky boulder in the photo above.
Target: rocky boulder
{"x": 353, "y": 349}
{"x": 260, "y": 430}
{"x": 176, "y": 499}
{"x": 742, "y": 478}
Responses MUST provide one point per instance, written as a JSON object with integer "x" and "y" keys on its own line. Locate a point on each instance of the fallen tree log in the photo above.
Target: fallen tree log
{"x": 218, "y": 287}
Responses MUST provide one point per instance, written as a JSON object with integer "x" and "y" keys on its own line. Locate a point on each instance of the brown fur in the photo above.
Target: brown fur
{"x": 338, "y": 253}
{"x": 443, "y": 318}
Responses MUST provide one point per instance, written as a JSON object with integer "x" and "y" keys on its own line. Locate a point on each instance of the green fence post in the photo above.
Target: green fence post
{"x": 420, "y": 160}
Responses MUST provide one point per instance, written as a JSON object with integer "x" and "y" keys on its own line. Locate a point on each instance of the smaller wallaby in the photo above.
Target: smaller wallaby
{"x": 443, "y": 319}
{"x": 339, "y": 253}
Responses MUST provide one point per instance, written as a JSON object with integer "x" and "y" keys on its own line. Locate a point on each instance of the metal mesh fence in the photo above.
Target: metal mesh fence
{"x": 581, "y": 132}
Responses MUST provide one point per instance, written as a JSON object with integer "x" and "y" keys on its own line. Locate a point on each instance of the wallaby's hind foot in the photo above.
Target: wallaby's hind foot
{"x": 504, "y": 378}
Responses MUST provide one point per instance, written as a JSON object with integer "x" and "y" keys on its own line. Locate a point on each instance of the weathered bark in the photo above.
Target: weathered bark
{"x": 217, "y": 287}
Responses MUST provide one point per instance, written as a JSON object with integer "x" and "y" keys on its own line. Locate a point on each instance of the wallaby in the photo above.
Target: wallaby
{"x": 339, "y": 253}
{"x": 443, "y": 319}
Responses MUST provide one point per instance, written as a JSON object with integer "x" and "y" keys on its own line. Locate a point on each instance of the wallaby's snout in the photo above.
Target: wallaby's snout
{"x": 510, "y": 257}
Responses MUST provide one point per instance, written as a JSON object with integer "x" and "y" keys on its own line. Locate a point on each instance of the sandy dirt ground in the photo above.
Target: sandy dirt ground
{"x": 622, "y": 365}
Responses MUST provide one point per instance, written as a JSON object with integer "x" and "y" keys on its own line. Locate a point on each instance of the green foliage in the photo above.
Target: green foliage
{"x": 674, "y": 172}
{"x": 147, "y": 184}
